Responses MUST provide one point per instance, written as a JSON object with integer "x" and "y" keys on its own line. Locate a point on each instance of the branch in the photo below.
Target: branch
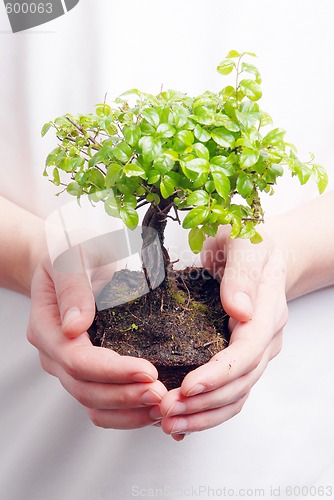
{"x": 83, "y": 131}
{"x": 142, "y": 204}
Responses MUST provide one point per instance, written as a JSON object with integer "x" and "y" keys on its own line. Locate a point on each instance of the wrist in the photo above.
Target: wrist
{"x": 306, "y": 241}
{"x": 35, "y": 251}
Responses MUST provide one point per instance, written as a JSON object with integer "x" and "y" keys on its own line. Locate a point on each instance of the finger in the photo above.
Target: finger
{"x": 68, "y": 297}
{"x": 78, "y": 356}
{"x": 242, "y": 276}
{"x": 174, "y": 403}
{"x": 247, "y": 344}
{"x": 113, "y": 396}
{"x": 121, "y": 419}
{"x": 196, "y": 422}
{"x": 83, "y": 361}
{"x": 76, "y": 302}
{"x": 213, "y": 256}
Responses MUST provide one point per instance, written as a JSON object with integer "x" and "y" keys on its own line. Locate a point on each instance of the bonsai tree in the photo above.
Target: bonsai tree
{"x": 211, "y": 156}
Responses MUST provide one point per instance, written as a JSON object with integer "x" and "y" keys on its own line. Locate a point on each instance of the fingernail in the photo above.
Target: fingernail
{"x": 243, "y": 301}
{"x": 197, "y": 389}
{"x": 150, "y": 398}
{"x": 70, "y": 315}
{"x": 176, "y": 409}
{"x": 142, "y": 377}
{"x": 180, "y": 426}
{"x": 180, "y": 437}
{"x": 155, "y": 413}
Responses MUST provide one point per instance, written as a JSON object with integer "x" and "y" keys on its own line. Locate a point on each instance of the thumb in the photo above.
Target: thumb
{"x": 242, "y": 275}
{"x": 75, "y": 301}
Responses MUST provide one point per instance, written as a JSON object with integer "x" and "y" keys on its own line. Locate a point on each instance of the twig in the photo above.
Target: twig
{"x": 83, "y": 131}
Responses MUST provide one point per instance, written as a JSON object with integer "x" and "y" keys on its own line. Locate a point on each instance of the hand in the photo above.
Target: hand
{"x": 118, "y": 391}
{"x": 253, "y": 294}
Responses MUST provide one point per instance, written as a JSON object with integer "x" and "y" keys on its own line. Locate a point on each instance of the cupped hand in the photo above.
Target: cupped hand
{"x": 253, "y": 280}
{"x": 118, "y": 391}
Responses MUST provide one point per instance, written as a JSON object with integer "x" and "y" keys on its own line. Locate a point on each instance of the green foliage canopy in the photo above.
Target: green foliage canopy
{"x": 198, "y": 152}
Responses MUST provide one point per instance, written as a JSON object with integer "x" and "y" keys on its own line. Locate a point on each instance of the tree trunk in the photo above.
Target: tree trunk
{"x": 154, "y": 255}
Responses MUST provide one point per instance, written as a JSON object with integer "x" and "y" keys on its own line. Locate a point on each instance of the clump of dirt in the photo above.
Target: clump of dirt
{"x": 178, "y": 326}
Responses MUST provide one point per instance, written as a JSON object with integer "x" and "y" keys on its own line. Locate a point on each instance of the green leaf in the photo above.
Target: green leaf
{"x": 186, "y": 137}
{"x": 200, "y": 180}
{"x": 152, "y": 116}
{"x": 56, "y": 177}
{"x": 224, "y": 165}
{"x": 153, "y": 176}
{"x": 223, "y": 137}
{"x": 226, "y": 67}
{"x": 201, "y": 134}
{"x": 151, "y": 148}
{"x": 165, "y": 130}
{"x": 274, "y": 138}
{"x": 130, "y": 200}
{"x": 250, "y": 68}
{"x": 236, "y": 226}
{"x": 70, "y": 164}
{"x": 221, "y": 119}
{"x": 113, "y": 174}
{"x": 122, "y": 152}
{"x": 250, "y": 89}
{"x": 129, "y": 216}
{"x": 198, "y": 165}
{"x": 247, "y": 119}
{"x": 256, "y": 238}
{"x": 249, "y": 157}
{"x": 164, "y": 163}
{"x": 111, "y": 206}
{"x": 46, "y": 128}
{"x": 266, "y": 119}
{"x": 133, "y": 170}
{"x": 178, "y": 116}
{"x": 247, "y": 231}
{"x": 203, "y": 115}
{"x": 130, "y": 92}
{"x": 196, "y": 238}
{"x": 153, "y": 198}
{"x": 96, "y": 178}
{"x": 146, "y": 128}
{"x": 167, "y": 186}
{"x": 131, "y": 135}
{"x": 201, "y": 151}
{"x": 197, "y": 198}
{"x": 303, "y": 171}
{"x": 222, "y": 183}
{"x": 103, "y": 110}
{"x": 210, "y": 229}
{"x": 233, "y": 54}
{"x": 195, "y": 217}
{"x": 74, "y": 189}
{"x": 222, "y": 214}
{"x": 244, "y": 185}
{"x": 321, "y": 177}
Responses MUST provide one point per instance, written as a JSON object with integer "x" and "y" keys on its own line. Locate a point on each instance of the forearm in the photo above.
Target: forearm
{"x": 22, "y": 245}
{"x": 306, "y": 236}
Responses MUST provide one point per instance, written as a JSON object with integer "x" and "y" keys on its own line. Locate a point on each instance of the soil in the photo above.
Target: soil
{"x": 178, "y": 326}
